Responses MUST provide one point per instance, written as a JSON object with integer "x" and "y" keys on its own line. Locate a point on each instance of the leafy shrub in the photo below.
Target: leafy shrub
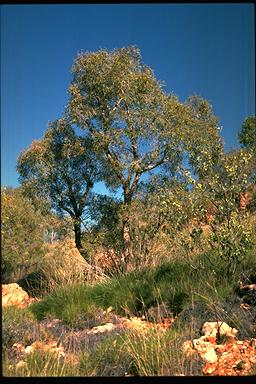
{"x": 25, "y": 235}
{"x": 233, "y": 240}
{"x": 22, "y": 235}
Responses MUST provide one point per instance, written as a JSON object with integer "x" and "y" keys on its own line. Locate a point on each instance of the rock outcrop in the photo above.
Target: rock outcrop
{"x": 218, "y": 329}
{"x": 221, "y": 352}
{"x": 13, "y": 294}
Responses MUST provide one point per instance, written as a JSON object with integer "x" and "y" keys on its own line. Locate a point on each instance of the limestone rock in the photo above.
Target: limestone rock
{"x": 205, "y": 349}
{"x": 232, "y": 358}
{"x": 13, "y": 294}
{"x": 102, "y": 328}
{"x": 216, "y": 328}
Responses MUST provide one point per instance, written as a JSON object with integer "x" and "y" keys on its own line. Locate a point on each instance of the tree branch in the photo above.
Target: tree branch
{"x": 135, "y": 183}
{"x": 89, "y": 185}
{"x": 154, "y": 165}
{"x": 114, "y": 161}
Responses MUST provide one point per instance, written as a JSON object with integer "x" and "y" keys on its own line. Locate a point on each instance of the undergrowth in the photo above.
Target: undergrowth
{"x": 174, "y": 283}
{"x": 195, "y": 291}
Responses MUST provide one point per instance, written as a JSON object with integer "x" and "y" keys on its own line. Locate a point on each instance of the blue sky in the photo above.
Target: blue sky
{"x": 205, "y": 49}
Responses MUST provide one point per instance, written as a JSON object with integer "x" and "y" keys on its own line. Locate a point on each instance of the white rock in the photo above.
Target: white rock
{"x": 215, "y": 327}
{"x": 205, "y": 349}
{"x": 29, "y": 349}
{"x": 209, "y": 355}
{"x": 102, "y": 328}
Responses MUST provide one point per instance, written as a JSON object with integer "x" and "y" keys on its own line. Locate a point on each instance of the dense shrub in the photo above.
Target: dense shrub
{"x": 26, "y": 235}
{"x": 22, "y": 235}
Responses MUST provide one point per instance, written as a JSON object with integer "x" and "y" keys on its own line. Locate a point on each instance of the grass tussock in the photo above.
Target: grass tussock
{"x": 174, "y": 283}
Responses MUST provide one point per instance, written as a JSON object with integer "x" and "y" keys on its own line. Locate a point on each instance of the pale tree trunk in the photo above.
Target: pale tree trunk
{"x": 127, "y": 242}
{"x": 127, "y": 245}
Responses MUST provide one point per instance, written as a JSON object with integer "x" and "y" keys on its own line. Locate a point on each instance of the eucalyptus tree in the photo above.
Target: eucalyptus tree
{"x": 133, "y": 123}
{"x": 62, "y": 169}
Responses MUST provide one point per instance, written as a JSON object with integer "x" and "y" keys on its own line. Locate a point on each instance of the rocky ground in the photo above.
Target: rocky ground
{"x": 221, "y": 352}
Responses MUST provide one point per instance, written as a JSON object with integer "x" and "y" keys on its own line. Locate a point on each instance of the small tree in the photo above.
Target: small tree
{"x": 222, "y": 187}
{"x": 61, "y": 169}
{"x": 22, "y": 233}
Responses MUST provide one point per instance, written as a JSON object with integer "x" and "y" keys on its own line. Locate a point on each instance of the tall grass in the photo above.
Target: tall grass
{"x": 173, "y": 283}
{"x": 38, "y": 364}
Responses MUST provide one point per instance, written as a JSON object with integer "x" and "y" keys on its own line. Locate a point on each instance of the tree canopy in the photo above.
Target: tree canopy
{"x": 134, "y": 124}
{"x": 62, "y": 169}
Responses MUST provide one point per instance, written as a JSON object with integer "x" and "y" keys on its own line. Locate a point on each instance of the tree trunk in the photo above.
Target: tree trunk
{"x": 78, "y": 233}
{"x": 127, "y": 245}
{"x": 78, "y": 238}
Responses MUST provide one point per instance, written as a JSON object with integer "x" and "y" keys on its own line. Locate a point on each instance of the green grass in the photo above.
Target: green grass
{"x": 174, "y": 283}
{"x": 127, "y": 294}
{"x": 40, "y": 364}
{"x": 108, "y": 358}
{"x": 134, "y": 353}
{"x": 139, "y": 353}
{"x": 17, "y": 324}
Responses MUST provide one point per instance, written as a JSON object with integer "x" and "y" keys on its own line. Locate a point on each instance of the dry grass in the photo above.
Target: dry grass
{"x": 64, "y": 265}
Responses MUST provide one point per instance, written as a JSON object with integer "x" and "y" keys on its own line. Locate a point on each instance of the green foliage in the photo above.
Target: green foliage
{"x": 233, "y": 240}
{"x": 203, "y": 142}
{"x": 61, "y": 169}
{"x": 105, "y": 228}
{"x": 123, "y": 107}
{"x": 22, "y": 235}
{"x": 134, "y": 125}
{"x": 218, "y": 194}
{"x": 26, "y": 234}
{"x": 247, "y": 135}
